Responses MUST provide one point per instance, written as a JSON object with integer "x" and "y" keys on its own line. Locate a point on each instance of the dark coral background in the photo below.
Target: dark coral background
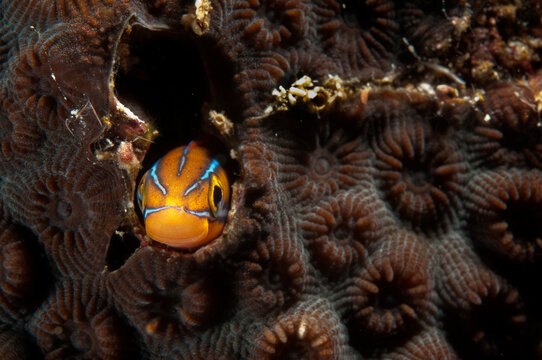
{"x": 399, "y": 219}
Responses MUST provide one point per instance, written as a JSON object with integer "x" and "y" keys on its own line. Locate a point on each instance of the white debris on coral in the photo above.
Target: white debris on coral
{"x": 306, "y": 91}
{"x": 199, "y": 19}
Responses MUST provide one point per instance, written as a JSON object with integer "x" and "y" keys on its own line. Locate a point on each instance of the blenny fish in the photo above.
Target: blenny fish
{"x": 185, "y": 198}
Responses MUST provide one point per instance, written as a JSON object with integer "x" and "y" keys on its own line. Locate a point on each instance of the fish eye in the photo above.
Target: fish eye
{"x": 216, "y": 195}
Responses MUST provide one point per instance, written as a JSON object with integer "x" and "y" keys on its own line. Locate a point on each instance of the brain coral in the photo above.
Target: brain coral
{"x": 386, "y": 162}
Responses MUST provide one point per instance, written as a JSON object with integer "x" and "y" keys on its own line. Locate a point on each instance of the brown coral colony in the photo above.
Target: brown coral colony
{"x": 385, "y": 159}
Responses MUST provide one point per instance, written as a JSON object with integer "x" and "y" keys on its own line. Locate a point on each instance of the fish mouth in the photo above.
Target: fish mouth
{"x": 178, "y": 228}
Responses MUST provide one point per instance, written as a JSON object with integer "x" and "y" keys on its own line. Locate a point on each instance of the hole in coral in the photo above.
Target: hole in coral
{"x": 387, "y": 298}
{"x": 295, "y": 349}
{"x": 167, "y": 304}
{"x": 81, "y": 341}
{"x": 356, "y": 13}
{"x": 417, "y": 175}
{"x": 524, "y": 220}
{"x": 123, "y": 244}
{"x": 322, "y": 165}
{"x": 162, "y": 79}
{"x": 253, "y": 195}
{"x": 273, "y": 277}
{"x": 63, "y": 209}
{"x": 161, "y": 76}
{"x": 518, "y": 141}
{"x": 342, "y": 232}
{"x": 495, "y": 329}
{"x": 370, "y": 345}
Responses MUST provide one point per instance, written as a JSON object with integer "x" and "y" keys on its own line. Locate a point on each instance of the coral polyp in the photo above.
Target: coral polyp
{"x": 367, "y": 183}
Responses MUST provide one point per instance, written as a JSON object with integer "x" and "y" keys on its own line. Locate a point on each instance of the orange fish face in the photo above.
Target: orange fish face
{"x": 185, "y": 198}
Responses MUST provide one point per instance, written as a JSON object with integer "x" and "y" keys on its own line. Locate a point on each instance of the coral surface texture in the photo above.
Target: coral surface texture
{"x": 385, "y": 161}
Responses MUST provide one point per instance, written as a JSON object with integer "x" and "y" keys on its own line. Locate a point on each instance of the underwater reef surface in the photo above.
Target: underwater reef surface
{"x": 386, "y": 160}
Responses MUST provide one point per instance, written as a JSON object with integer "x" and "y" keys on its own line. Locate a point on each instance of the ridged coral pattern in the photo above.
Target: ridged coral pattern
{"x": 386, "y": 161}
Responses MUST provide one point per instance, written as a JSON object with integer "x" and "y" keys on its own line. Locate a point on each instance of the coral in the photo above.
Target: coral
{"x": 35, "y": 87}
{"x": 310, "y": 330}
{"x": 496, "y": 326}
{"x": 500, "y": 40}
{"x": 269, "y": 23}
{"x": 18, "y": 136}
{"x": 73, "y": 206}
{"x": 14, "y": 345}
{"x": 505, "y": 206}
{"x": 428, "y": 26}
{"x": 267, "y": 280}
{"x": 339, "y": 231}
{"x": 218, "y": 343}
{"x": 163, "y": 297}
{"x": 46, "y": 13}
{"x": 428, "y": 344}
{"x": 77, "y": 322}
{"x": 268, "y": 71}
{"x": 360, "y": 34}
{"x": 462, "y": 280}
{"x": 419, "y": 167}
{"x": 510, "y": 133}
{"x": 19, "y": 273}
{"x": 385, "y": 162}
{"x": 394, "y": 291}
{"x": 328, "y": 162}
{"x": 275, "y": 271}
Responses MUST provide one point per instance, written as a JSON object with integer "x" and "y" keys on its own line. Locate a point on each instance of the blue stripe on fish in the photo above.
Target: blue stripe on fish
{"x": 156, "y": 181}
